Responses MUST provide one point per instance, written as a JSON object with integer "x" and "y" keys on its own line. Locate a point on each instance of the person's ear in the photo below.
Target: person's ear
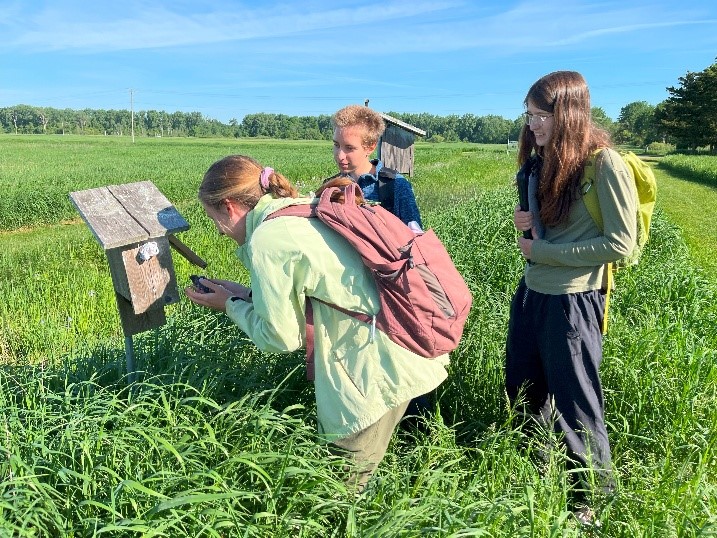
{"x": 232, "y": 207}
{"x": 370, "y": 149}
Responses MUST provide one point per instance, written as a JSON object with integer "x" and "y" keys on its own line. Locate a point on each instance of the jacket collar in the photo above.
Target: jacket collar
{"x": 266, "y": 205}
{"x": 368, "y": 178}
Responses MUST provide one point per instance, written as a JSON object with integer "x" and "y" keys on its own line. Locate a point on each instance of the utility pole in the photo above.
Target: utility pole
{"x": 131, "y": 111}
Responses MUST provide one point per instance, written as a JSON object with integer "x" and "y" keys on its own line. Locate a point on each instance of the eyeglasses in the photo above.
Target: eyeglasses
{"x": 539, "y": 117}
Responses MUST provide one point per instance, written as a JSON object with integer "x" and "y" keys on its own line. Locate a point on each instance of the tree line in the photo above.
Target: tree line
{"x": 686, "y": 120}
{"x": 25, "y": 119}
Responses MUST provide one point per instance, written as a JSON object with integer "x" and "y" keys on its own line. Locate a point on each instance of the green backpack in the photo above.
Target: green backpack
{"x": 646, "y": 188}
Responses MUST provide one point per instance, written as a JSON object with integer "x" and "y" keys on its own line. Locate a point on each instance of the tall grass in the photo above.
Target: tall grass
{"x": 700, "y": 168}
{"x": 37, "y": 173}
{"x": 217, "y": 439}
{"x": 692, "y": 200}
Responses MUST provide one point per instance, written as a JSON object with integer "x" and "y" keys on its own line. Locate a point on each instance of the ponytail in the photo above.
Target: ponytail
{"x": 276, "y": 184}
{"x": 243, "y": 179}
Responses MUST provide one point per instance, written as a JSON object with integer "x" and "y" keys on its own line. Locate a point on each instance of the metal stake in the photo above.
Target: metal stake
{"x": 129, "y": 352}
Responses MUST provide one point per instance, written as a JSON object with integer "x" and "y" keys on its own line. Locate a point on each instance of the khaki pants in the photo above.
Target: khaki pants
{"x": 368, "y": 447}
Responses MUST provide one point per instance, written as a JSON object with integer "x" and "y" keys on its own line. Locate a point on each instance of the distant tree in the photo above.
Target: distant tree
{"x": 155, "y": 122}
{"x": 194, "y": 121}
{"x": 178, "y": 122}
{"x": 601, "y": 118}
{"x": 5, "y": 115}
{"x": 25, "y": 119}
{"x": 323, "y": 123}
{"x": 64, "y": 119}
{"x": 251, "y": 124}
{"x": 450, "y": 128}
{"x": 636, "y": 124}
{"x": 689, "y": 115}
{"x": 429, "y": 123}
{"x": 494, "y": 129}
{"x": 468, "y": 128}
{"x": 516, "y": 127}
{"x": 662, "y": 135}
{"x": 83, "y": 119}
{"x": 44, "y": 117}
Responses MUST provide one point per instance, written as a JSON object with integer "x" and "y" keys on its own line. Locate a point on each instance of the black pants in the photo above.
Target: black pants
{"x": 553, "y": 353}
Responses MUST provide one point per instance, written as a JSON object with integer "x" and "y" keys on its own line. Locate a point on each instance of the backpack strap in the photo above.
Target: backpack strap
{"x": 386, "y": 195}
{"x": 608, "y": 288}
{"x": 310, "y": 363}
{"x": 309, "y": 211}
{"x": 385, "y": 186}
{"x": 309, "y": 315}
{"x": 592, "y": 203}
{"x": 294, "y": 210}
{"x": 588, "y": 190}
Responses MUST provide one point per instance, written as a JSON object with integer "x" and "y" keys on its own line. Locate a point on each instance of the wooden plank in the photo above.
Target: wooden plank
{"x": 185, "y": 251}
{"x": 402, "y": 124}
{"x": 107, "y": 218}
{"x": 149, "y": 207}
{"x": 152, "y": 283}
{"x": 119, "y": 276}
{"x": 145, "y": 284}
{"x": 396, "y": 150}
{"x": 136, "y": 323}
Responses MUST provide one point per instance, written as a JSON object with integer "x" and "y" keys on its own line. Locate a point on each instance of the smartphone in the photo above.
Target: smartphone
{"x": 198, "y": 285}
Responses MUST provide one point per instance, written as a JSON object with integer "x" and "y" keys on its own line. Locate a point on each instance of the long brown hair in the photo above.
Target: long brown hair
{"x": 339, "y": 196}
{"x": 564, "y": 94}
{"x": 238, "y": 177}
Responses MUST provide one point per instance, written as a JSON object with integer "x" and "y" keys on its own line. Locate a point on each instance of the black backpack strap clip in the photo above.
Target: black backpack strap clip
{"x": 385, "y": 187}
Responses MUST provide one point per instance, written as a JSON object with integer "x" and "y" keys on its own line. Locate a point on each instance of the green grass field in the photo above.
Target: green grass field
{"x": 689, "y": 187}
{"x": 217, "y": 439}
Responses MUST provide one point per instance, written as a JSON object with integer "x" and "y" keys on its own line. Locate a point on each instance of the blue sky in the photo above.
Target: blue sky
{"x": 227, "y": 59}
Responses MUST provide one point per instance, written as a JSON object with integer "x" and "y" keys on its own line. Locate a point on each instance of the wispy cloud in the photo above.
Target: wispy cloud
{"x": 627, "y": 29}
{"x": 533, "y": 27}
{"x": 148, "y": 25}
{"x": 286, "y": 55}
{"x": 320, "y": 28}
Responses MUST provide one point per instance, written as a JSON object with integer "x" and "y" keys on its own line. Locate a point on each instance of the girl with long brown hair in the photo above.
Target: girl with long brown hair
{"x": 554, "y": 342}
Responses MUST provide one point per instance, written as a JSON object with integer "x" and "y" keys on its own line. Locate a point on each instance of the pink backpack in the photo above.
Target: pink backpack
{"x": 424, "y": 299}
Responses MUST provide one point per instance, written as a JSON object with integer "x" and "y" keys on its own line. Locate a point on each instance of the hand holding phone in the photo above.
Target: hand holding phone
{"x": 201, "y": 288}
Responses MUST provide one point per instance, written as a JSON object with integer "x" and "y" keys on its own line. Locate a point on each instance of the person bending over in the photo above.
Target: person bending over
{"x": 362, "y": 385}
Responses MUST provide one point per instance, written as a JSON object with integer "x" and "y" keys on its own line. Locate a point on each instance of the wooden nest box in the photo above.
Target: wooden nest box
{"x": 396, "y": 146}
{"x": 135, "y": 224}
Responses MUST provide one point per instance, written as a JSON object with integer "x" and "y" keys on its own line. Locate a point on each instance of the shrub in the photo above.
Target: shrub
{"x": 660, "y": 148}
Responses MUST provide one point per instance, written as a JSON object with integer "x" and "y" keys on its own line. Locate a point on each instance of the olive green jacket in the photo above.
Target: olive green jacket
{"x": 571, "y": 257}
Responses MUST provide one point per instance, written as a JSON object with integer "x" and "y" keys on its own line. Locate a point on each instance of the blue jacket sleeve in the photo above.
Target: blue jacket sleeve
{"x": 404, "y": 204}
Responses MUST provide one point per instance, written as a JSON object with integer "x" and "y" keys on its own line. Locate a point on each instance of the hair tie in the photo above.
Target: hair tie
{"x": 264, "y": 177}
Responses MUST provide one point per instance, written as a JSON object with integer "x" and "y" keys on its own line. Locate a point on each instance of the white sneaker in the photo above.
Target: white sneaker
{"x": 586, "y": 517}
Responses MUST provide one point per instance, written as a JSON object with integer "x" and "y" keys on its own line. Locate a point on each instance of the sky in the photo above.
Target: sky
{"x": 226, "y": 59}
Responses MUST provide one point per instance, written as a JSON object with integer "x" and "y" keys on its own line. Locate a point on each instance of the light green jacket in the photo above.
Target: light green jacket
{"x": 356, "y": 381}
